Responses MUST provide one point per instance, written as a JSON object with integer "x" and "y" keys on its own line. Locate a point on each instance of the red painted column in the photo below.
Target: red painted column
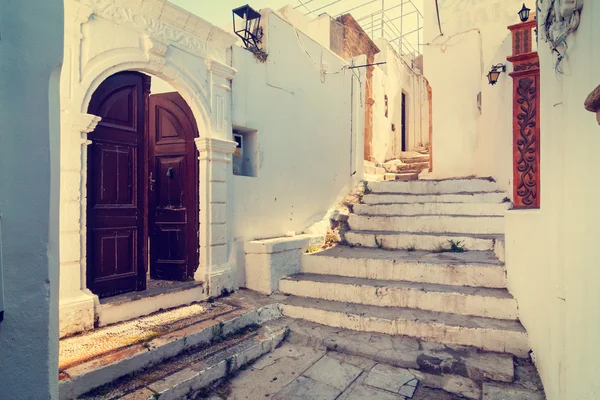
{"x": 526, "y": 117}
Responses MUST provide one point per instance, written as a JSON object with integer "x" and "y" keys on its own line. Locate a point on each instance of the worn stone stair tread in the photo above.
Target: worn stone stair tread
{"x": 470, "y": 268}
{"x": 405, "y": 352}
{"x": 394, "y": 313}
{"x": 430, "y": 208}
{"x": 428, "y": 216}
{"x": 489, "y": 236}
{"x": 186, "y": 374}
{"x": 495, "y": 197}
{"x": 459, "y": 300}
{"x": 481, "y": 258}
{"x": 422, "y": 287}
{"x": 434, "y": 187}
{"x": 428, "y": 223}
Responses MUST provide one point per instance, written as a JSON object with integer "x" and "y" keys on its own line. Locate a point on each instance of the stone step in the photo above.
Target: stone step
{"x": 406, "y": 352}
{"x": 473, "y": 197}
{"x": 143, "y": 344}
{"x": 396, "y": 167}
{"x": 438, "y": 242}
{"x": 485, "y": 333}
{"x": 471, "y": 268}
{"x": 446, "y": 186}
{"x": 132, "y": 305}
{"x": 415, "y": 159}
{"x": 184, "y": 376}
{"x": 374, "y": 170}
{"x": 473, "y": 209}
{"x": 407, "y": 176}
{"x": 428, "y": 223}
{"x": 461, "y": 300}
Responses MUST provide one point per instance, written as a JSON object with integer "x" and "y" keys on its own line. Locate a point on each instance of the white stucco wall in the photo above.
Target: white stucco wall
{"x": 392, "y": 79}
{"x": 317, "y": 28}
{"x": 308, "y": 133}
{"x": 552, "y": 255}
{"x": 493, "y": 152}
{"x": 455, "y": 64}
{"x": 31, "y": 50}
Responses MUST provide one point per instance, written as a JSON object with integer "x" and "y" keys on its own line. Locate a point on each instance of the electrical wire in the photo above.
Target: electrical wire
{"x": 437, "y": 10}
{"x": 446, "y": 44}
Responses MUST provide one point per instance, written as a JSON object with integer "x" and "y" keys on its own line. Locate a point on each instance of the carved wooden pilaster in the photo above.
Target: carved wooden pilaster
{"x": 526, "y": 118}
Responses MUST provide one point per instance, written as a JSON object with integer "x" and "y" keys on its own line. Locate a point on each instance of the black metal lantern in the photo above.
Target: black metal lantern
{"x": 246, "y": 24}
{"x": 524, "y": 13}
{"x": 495, "y": 72}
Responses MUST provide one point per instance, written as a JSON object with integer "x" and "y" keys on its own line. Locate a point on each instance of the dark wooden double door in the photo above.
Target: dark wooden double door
{"x": 142, "y": 187}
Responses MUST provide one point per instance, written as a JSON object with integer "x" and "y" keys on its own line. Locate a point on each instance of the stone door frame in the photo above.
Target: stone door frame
{"x": 193, "y": 56}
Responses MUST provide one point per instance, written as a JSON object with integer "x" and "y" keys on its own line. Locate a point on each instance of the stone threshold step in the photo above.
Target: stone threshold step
{"x": 99, "y": 357}
{"x": 160, "y": 295}
{"x": 422, "y": 241}
{"x": 407, "y": 352}
{"x": 415, "y": 209}
{"x": 465, "y": 224}
{"x": 460, "y": 300}
{"x": 496, "y": 197}
{"x": 186, "y": 375}
{"x": 485, "y": 333}
{"x": 471, "y": 268}
{"x": 446, "y": 186}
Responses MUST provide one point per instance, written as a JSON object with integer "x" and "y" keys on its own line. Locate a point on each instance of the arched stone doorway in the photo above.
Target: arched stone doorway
{"x": 106, "y": 38}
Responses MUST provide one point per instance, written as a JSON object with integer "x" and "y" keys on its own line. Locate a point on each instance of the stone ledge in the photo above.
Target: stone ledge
{"x": 281, "y": 244}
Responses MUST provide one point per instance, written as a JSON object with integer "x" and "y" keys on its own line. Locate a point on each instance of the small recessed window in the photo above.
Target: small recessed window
{"x": 245, "y": 155}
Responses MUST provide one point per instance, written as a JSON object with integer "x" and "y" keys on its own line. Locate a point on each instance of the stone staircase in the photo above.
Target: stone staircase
{"x": 422, "y": 259}
{"x": 407, "y": 168}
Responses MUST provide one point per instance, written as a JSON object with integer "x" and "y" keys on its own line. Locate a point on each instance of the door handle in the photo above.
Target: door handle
{"x": 151, "y": 181}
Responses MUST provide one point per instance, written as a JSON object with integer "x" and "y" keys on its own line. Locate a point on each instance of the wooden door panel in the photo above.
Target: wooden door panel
{"x": 115, "y": 252}
{"x": 117, "y": 186}
{"x": 114, "y": 176}
{"x": 119, "y": 108}
{"x": 169, "y": 127}
{"x": 174, "y": 194}
{"x": 171, "y": 183}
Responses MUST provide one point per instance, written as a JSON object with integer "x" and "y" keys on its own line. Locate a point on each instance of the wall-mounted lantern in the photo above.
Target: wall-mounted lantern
{"x": 524, "y": 13}
{"x": 495, "y": 72}
{"x": 246, "y": 24}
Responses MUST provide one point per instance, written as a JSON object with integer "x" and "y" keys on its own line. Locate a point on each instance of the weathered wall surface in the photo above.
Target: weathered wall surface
{"x": 494, "y": 126}
{"x": 472, "y": 33}
{"x": 391, "y": 80}
{"x": 309, "y": 128}
{"x": 31, "y": 52}
{"x": 552, "y": 255}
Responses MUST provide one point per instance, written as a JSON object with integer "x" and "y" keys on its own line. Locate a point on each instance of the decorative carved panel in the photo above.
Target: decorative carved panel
{"x": 526, "y": 118}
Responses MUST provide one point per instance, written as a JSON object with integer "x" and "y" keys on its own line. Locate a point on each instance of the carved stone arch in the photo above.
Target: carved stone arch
{"x": 112, "y": 62}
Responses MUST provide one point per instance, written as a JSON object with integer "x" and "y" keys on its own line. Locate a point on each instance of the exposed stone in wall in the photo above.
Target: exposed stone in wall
{"x": 349, "y": 40}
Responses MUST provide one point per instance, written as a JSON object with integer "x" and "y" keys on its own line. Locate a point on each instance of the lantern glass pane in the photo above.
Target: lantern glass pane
{"x": 493, "y": 76}
{"x": 240, "y": 24}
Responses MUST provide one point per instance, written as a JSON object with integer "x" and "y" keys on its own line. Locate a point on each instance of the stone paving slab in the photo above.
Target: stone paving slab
{"x": 271, "y": 373}
{"x": 333, "y": 372}
{"x": 364, "y": 392}
{"x": 392, "y": 379}
{"x": 307, "y": 389}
